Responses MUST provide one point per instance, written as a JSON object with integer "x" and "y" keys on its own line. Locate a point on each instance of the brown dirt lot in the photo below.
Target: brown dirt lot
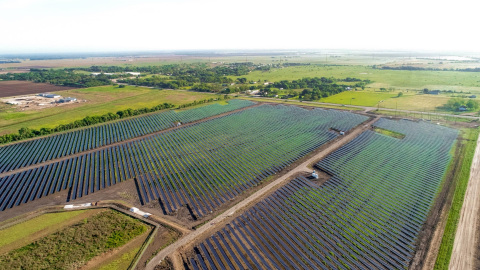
{"x": 16, "y": 88}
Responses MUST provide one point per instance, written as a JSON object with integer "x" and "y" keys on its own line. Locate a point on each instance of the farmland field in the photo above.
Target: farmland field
{"x": 398, "y": 79}
{"x": 368, "y": 215}
{"x": 202, "y": 166}
{"x": 100, "y": 100}
{"x": 16, "y": 88}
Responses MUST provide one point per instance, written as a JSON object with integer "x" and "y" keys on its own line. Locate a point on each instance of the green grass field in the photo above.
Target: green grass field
{"x": 71, "y": 246}
{"x": 362, "y": 98}
{"x": 398, "y": 79}
{"x": 123, "y": 262}
{"x": 100, "y": 100}
{"x": 414, "y": 102}
{"x": 23, "y": 233}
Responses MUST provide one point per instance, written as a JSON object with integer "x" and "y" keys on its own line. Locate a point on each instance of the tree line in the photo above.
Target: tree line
{"x": 59, "y": 77}
{"x": 477, "y": 69}
{"x": 454, "y": 104}
{"x": 26, "y": 133}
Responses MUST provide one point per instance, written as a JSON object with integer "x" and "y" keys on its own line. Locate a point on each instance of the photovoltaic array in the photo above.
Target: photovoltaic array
{"x": 202, "y": 165}
{"x": 368, "y": 215}
{"x": 31, "y": 152}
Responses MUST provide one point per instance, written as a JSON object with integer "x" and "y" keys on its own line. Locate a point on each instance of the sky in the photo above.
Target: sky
{"x": 34, "y": 26}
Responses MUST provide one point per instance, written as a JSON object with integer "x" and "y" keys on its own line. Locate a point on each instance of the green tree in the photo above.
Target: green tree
{"x": 472, "y": 104}
{"x": 242, "y": 80}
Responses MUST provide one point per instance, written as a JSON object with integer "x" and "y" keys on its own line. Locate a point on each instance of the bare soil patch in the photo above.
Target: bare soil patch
{"x": 15, "y": 88}
{"x": 163, "y": 238}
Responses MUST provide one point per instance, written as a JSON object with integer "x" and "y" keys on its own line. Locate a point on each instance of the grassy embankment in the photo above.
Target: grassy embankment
{"x": 100, "y": 100}
{"x": 73, "y": 246}
{"x": 390, "y": 133}
{"x": 461, "y": 177}
{"x": 21, "y": 234}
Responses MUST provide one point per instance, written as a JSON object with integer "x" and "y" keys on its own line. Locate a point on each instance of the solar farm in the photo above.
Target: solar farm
{"x": 367, "y": 216}
{"x": 191, "y": 167}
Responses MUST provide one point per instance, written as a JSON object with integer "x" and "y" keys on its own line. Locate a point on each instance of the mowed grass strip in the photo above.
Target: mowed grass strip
{"x": 361, "y": 98}
{"x": 427, "y": 103}
{"x": 72, "y": 247}
{"x": 461, "y": 177}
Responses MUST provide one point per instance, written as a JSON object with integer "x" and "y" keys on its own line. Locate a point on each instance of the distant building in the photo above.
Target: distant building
{"x": 463, "y": 108}
{"x": 473, "y": 96}
{"x": 97, "y": 73}
{"x": 67, "y": 100}
{"x": 48, "y": 95}
{"x": 434, "y": 92}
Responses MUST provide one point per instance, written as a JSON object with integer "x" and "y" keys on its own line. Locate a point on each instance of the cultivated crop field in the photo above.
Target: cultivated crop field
{"x": 17, "y": 88}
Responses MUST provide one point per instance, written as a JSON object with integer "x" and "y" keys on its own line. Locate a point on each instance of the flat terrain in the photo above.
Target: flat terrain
{"x": 98, "y": 101}
{"x": 228, "y": 215}
{"x": 362, "y": 98}
{"x": 397, "y": 79}
{"x": 16, "y": 88}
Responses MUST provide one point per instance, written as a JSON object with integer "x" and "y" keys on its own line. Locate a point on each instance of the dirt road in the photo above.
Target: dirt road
{"x": 216, "y": 223}
{"x": 463, "y": 254}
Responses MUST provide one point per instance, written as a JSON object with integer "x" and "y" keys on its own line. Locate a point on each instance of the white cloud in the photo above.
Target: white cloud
{"x": 211, "y": 24}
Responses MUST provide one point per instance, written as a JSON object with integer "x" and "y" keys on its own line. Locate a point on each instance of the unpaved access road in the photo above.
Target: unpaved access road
{"x": 463, "y": 254}
{"x": 216, "y": 223}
